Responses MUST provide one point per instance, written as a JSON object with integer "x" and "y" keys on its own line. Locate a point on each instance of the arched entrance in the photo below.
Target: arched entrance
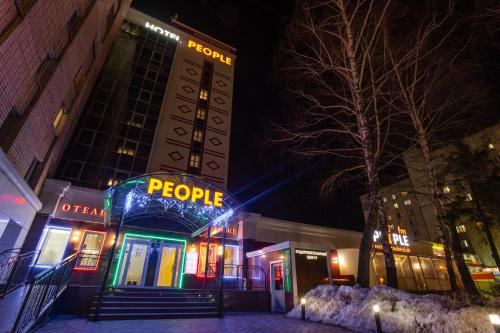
{"x": 171, "y": 231}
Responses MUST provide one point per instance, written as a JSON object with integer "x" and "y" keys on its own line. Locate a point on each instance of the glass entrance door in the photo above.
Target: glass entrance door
{"x": 277, "y": 287}
{"x": 169, "y": 263}
{"x": 136, "y": 259}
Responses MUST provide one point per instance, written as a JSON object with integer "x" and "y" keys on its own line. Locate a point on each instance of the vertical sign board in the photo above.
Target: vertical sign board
{"x": 311, "y": 268}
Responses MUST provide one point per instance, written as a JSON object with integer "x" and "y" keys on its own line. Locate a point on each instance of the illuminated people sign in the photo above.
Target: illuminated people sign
{"x": 183, "y": 192}
{"x": 398, "y": 240}
{"x": 173, "y": 198}
{"x": 209, "y": 52}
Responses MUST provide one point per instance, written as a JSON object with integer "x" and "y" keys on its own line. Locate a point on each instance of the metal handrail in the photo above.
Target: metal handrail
{"x": 15, "y": 269}
{"x": 44, "y": 289}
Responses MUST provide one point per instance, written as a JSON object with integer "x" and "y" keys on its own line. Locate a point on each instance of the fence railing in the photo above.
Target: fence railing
{"x": 44, "y": 289}
{"x": 16, "y": 266}
{"x": 238, "y": 277}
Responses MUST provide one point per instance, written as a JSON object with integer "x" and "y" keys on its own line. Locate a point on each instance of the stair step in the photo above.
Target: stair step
{"x": 153, "y": 315}
{"x": 124, "y": 303}
{"x": 139, "y": 310}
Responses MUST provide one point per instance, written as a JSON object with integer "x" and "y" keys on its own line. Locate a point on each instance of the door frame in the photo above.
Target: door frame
{"x": 175, "y": 270}
{"x": 271, "y": 284}
{"x": 127, "y": 262}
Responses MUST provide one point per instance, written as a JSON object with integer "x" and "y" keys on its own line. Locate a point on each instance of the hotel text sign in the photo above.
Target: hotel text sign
{"x": 162, "y": 31}
{"x": 183, "y": 192}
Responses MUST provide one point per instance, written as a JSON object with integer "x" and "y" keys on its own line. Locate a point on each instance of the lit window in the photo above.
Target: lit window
{"x": 203, "y": 94}
{"x": 491, "y": 146}
{"x": 384, "y": 199}
{"x": 90, "y": 249}
{"x": 468, "y": 197}
{"x": 198, "y": 136}
{"x": 465, "y": 243}
{"x": 404, "y": 193}
{"x": 53, "y": 245}
{"x": 407, "y": 202}
{"x": 389, "y": 217}
{"x": 393, "y": 197}
{"x": 460, "y": 228}
{"x": 194, "y": 161}
{"x": 125, "y": 151}
{"x": 201, "y": 113}
{"x": 396, "y": 205}
{"x": 134, "y": 124}
{"x": 231, "y": 261}
{"x": 446, "y": 189}
{"x": 202, "y": 259}
{"x": 113, "y": 182}
{"x": 58, "y": 118}
{"x": 480, "y": 225}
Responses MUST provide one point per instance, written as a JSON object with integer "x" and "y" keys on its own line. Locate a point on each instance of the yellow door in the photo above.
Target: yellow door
{"x": 166, "y": 276}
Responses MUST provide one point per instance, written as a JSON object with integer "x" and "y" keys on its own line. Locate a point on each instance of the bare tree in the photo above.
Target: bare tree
{"x": 335, "y": 70}
{"x": 431, "y": 104}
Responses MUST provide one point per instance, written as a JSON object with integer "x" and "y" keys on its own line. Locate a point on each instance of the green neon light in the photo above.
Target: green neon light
{"x": 117, "y": 271}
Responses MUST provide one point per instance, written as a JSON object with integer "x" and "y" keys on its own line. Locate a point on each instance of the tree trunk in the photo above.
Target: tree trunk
{"x": 365, "y": 249}
{"x": 390, "y": 264}
{"x": 435, "y": 200}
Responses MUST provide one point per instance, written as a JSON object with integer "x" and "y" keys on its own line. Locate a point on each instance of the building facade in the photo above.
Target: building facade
{"x": 407, "y": 204}
{"x": 51, "y": 53}
{"x": 161, "y": 103}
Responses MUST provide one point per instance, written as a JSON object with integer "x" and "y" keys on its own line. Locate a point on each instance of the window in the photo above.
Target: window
{"x": 58, "y": 118}
{"x": 384, "y": 199}
{"x": 396, "y": 205}
{"x": 461, "y": 228}
{"x": 389, "y": 217}
{"x": 404, "y": 193}
{"x": 480, "y": 226}
{"x": 468, "y": 197}
{"x": 202, "y": 259}
{"x": 125, "y": 151}
{"x": 446, "y": 189}
{"x": 201, "y": 113}
{"x": 465, "y": 243}
{"x": 231, "y": 261}
{"x": 198, "y": 136}
{"x": 393, "y": 197}
{"x": 203, "y": 94}
{"x": 491, "y": 146}
{"x": 194, "y": 161}
{"x": 53, "y": 245}
{"x": 113, "y": 182}
{"x": 90, "y": 249}
{"x": 407, "y": 202}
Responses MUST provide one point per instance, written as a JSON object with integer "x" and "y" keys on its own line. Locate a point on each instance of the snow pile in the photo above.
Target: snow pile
{"x": 351, "y": 307}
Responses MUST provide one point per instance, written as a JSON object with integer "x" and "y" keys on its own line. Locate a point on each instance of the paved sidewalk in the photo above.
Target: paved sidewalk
{"x": 232, "y": 323}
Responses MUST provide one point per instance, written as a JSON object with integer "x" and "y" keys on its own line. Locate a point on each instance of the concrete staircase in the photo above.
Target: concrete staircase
{"x": 135, "y": 303}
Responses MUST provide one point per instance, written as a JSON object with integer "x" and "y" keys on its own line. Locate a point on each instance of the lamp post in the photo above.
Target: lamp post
{"x": 495, "y": 322}
{"x": 376, "y": 311}
{"x": 303, "y": 308}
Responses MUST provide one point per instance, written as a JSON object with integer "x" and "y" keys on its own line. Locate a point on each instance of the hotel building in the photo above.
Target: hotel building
{"x": 50, "y": 56}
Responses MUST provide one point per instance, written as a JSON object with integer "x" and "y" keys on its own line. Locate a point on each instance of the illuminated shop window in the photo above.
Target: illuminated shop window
{"x": 461, "y": 228}
{"x": 231, "y": 260}
{"x": 194, "y": 161}
{"x": 125, "y": 151}
{"x": 113, "y": 181}
{"x": 201, "y": 113}
{"x": 52, "y": 245}
{"x": 202, "y": 259}
{"x": 203, "y": 94}
{"x": 198, "y": 136}
{"x": 90, "y": 250}
{"x": 58, "y": 118}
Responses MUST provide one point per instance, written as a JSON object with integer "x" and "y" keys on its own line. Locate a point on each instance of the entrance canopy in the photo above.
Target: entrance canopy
{"x": 173, "y": 198}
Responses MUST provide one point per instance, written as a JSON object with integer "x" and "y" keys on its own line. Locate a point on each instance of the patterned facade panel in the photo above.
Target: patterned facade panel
{"x": 222, "y": 83}
{"x": 216, "y": 143}
{"x": 178, "y": 131}
{"x": 218, "y": 120}
{"x": 176, "y": 157}
{"x": 214, "y": 167}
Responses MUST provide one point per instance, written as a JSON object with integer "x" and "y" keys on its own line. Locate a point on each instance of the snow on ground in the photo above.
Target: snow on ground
{"x": 352, "y": 307}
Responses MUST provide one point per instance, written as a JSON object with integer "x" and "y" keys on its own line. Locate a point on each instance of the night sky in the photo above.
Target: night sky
{"x": 265, "y": 176}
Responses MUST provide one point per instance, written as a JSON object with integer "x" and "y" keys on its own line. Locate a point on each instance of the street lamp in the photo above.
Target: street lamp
{"x": 376, "y": 311}
{"x": 303, "y": 307}
{"x": 495, "y": 322}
